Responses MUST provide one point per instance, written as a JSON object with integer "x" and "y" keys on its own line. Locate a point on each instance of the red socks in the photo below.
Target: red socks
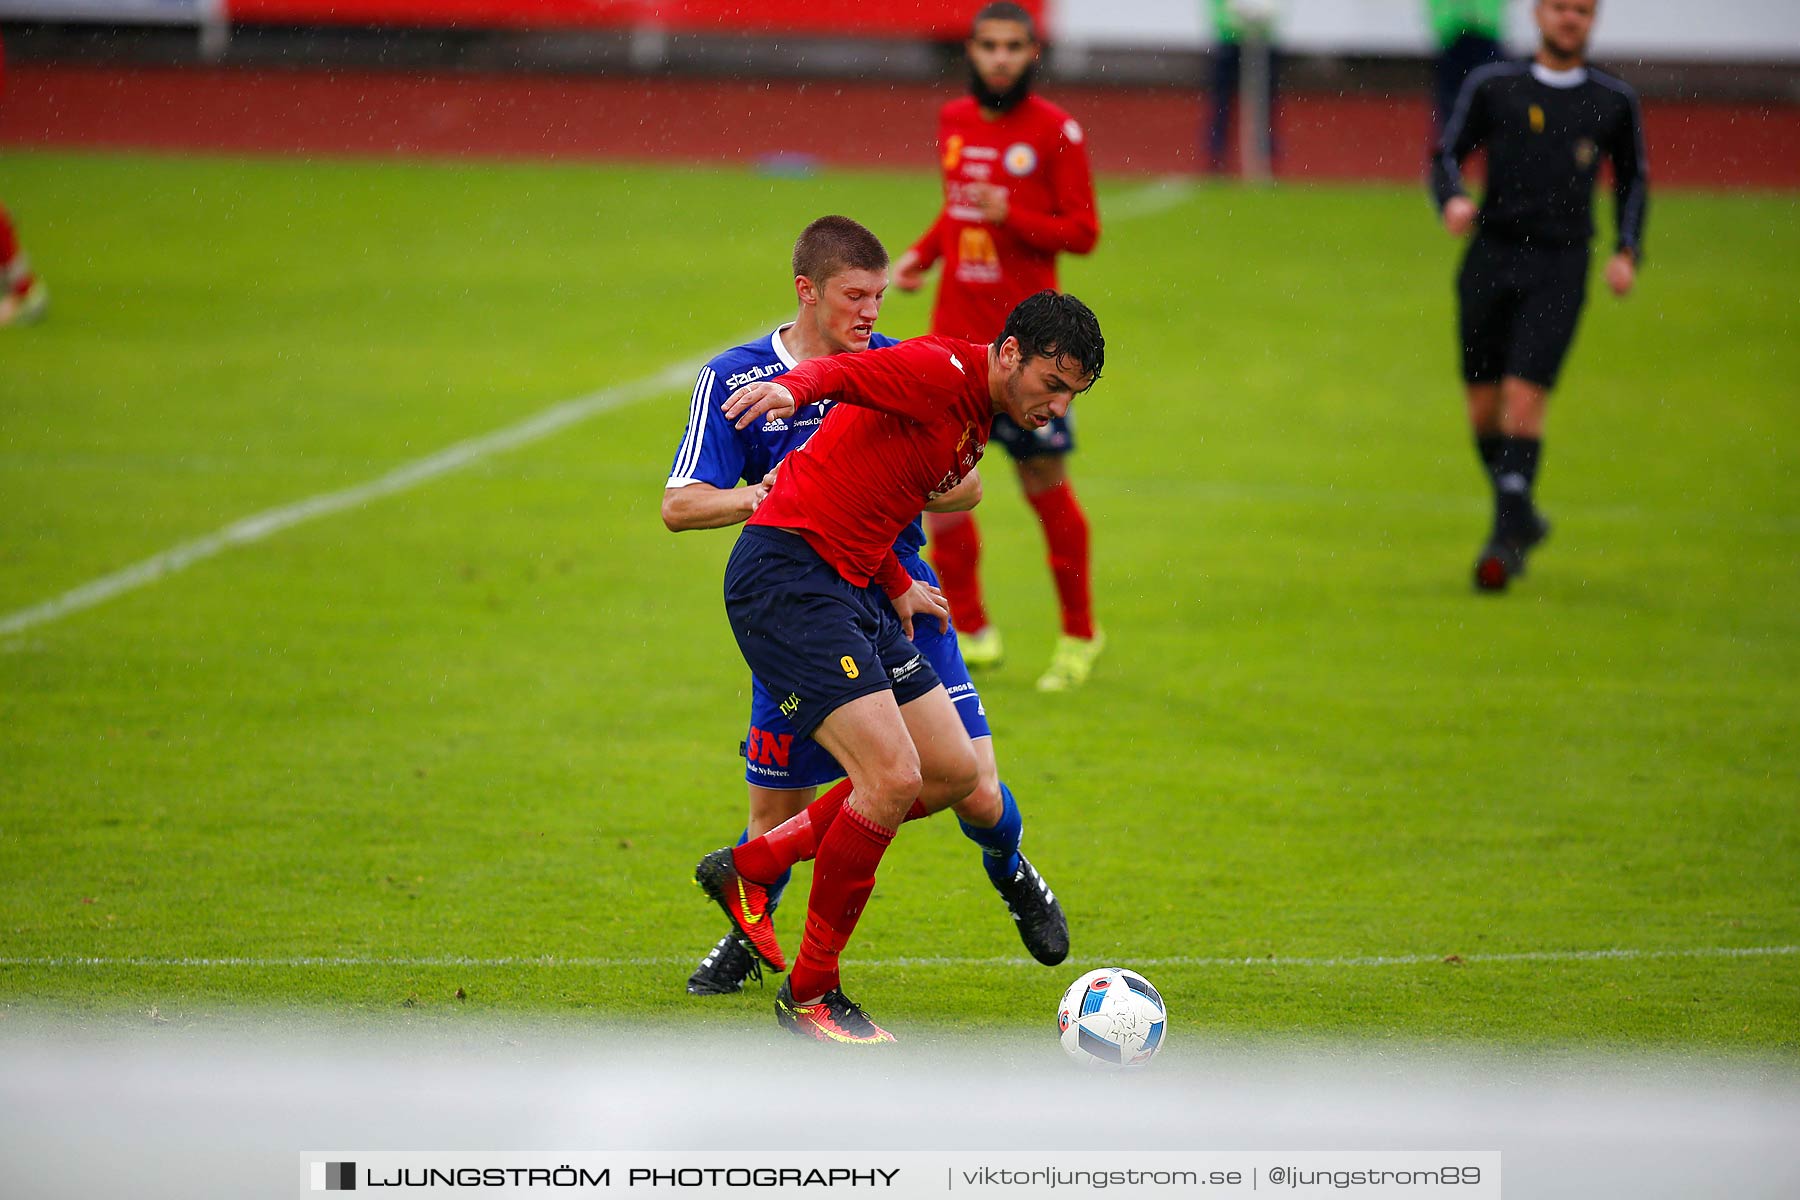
{"x": 797, "y": 839}
{"x": 956, "y": 553}
{"x": 847, "y": 847}
{"x": 1066, "y": 531}
{"x": 842, "y": 880}
{"x": 763, "y": 859}
{"x": 9, "y": 241}
{"x": 9, "y": 251}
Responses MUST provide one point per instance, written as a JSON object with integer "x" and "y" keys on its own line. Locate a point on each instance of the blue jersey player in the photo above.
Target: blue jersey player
{"x": 721, "y": 474}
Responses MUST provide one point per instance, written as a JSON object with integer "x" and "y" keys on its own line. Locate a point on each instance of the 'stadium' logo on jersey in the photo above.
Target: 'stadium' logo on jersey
{"x": 1020, "y": 159}
{"x": 1585, "y": 153}
{"x": 754, "y": 374}
{"x": 1537, "y": 119}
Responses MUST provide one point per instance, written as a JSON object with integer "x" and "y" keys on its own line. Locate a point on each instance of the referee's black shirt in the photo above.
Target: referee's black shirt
{"x": 1545, "y": 132}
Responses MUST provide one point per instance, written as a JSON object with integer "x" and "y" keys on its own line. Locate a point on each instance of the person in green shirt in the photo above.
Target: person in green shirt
{"x": 1468, "y": 35}
{"x": 1233, "y": 20}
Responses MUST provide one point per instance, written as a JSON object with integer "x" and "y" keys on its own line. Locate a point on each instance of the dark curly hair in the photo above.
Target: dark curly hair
{"x": 1055, "y": 325}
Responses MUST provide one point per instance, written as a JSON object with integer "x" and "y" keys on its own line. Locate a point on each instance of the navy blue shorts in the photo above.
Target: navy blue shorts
{"x": 1055, "y": 439}
{"x": 816, "y": 641}
{"x": 1517, "y": 309}
{"x": 776, "y": 756}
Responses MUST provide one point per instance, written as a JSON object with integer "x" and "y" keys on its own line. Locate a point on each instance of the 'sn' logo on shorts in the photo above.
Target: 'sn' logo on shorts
{"x": 768, "y": 749}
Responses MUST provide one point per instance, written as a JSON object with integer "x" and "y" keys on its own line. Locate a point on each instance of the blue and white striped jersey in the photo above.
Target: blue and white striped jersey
{"x": 715, "y": 453}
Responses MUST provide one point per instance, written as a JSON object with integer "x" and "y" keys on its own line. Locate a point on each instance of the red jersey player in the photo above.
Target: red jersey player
{"x": 1017, "y": 192}
{"x": 23, "y": 296}
{"x": 911, "y": 421}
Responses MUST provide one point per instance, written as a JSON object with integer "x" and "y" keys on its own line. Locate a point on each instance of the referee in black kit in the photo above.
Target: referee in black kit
{"x": 1546, "y": 124}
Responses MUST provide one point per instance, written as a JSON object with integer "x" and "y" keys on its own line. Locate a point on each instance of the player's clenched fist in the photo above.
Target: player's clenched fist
{"x": 1621, "y": 273}
{"x": 921, "y": 600}
{"x": 1459, "y": 215}
{"x": 755, "y": 400}
{"x": 909, "y": 276}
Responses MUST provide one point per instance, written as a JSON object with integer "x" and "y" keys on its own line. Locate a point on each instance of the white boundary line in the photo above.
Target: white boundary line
{"x": 551, "y": 961}
{"x": 408, "y": 475}
{"x": 1156, "y": 197}
{"x": 1152, "y": 199}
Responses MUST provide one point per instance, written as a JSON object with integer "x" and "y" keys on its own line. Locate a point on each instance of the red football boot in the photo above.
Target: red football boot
{"x": 835, "y": 1018}
{"x": 745, "y": 903}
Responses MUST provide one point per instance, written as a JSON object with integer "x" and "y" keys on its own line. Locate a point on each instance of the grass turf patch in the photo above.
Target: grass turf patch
{"x": 494, "y": 717}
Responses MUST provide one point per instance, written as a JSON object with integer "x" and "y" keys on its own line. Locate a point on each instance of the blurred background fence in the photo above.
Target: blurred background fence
{"x": 729, "y": 79}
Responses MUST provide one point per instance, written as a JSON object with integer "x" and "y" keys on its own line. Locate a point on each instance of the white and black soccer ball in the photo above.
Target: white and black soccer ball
{"x": 1112, "y": 1018}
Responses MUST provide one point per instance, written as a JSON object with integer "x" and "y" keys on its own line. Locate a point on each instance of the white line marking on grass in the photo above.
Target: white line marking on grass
{"x": 408, "y": 475}
{"x": 1367, "y": 960}
{"x": 1154, "y": 198}
{"x": 1169, "y": 192}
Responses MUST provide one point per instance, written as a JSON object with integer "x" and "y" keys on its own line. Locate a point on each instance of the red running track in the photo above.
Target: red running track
{"x": 1132, "y": 131}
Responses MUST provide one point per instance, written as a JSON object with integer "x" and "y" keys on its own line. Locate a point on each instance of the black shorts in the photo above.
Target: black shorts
{"x": 815, "y": 640}
{"x": 1055, "y": 439}
{"x": 1518, "y": 308}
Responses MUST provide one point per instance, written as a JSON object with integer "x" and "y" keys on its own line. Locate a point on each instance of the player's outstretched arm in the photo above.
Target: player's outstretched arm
{"x": 1465, "y": 129}
{"x": 764, "y": 399}
{"x": 703, "y": 506}
{"x": 1631, "y": 191}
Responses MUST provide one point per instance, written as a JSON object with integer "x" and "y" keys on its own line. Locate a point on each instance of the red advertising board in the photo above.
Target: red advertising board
{"x": 946, "y": 20}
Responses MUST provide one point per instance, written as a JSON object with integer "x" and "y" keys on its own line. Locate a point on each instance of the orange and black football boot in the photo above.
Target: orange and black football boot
{"x": 834, "y": 1018}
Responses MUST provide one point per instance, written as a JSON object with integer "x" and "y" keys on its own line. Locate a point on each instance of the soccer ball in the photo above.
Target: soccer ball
{"x": 1111, "y": 1018}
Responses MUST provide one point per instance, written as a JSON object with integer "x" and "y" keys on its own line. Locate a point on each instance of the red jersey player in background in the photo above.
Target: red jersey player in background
{"x": 23, "y": 296}
{"x": 1017, "y": 192}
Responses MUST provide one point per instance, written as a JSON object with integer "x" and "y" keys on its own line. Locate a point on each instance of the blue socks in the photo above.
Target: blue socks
{"x": 999, "y": 845}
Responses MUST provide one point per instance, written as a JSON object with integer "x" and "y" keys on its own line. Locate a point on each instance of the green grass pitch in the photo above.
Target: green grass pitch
{"x": 494, "y": 717}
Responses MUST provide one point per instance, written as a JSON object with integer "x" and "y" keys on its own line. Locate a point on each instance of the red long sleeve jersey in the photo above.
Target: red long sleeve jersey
{"x": 1039, "y": 154}
{"x": 914, "y": 420}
